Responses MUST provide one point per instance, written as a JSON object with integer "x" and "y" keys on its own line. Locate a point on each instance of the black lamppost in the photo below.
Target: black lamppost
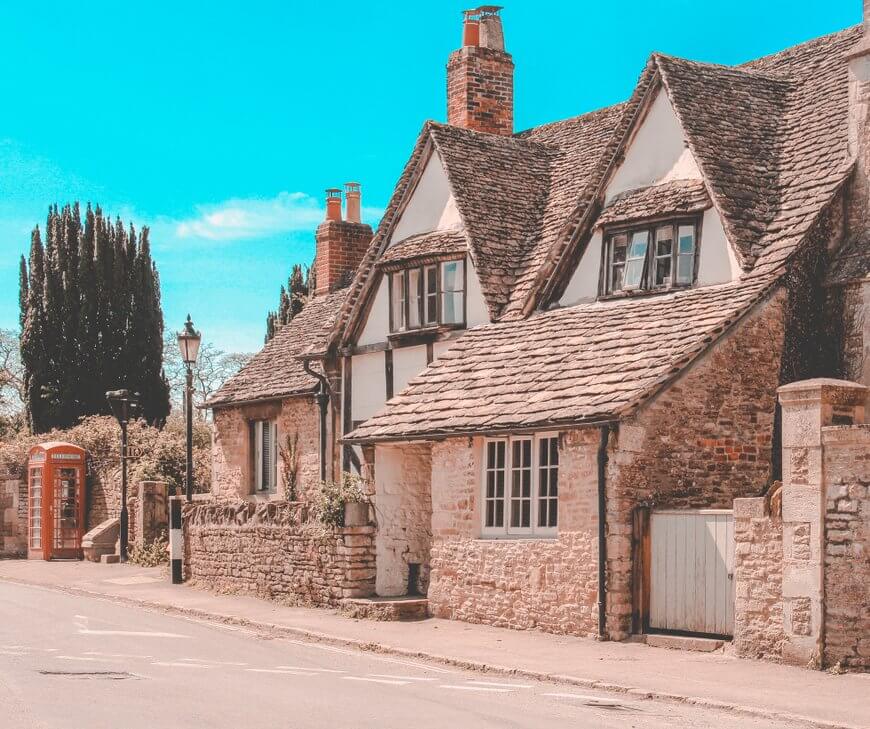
{"x": 123, "y": 404}
{"x": 188, "y": 343}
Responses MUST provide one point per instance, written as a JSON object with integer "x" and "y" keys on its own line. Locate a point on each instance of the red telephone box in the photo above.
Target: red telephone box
{"x": 56, "y": 501}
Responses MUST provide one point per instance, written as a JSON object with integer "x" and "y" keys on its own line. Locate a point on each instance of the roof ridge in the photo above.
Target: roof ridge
{"x": 585, "y": 115}
{"x": 724, "y": 67}
{"x": 803, "y": 46}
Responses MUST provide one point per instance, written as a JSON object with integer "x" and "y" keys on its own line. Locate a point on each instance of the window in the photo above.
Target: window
{"x": 520, "y": 486}
{"x": 658, "y": 256}
{"x": 397, "y": 302}
{"x": 264, "y": 436}
{"x": 427, "y": 296}
{"x": 452, "y": 292}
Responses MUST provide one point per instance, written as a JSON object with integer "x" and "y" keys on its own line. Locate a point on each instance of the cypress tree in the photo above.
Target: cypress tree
{"x": 91, "y": 319}
{"x": 291, "y": 299}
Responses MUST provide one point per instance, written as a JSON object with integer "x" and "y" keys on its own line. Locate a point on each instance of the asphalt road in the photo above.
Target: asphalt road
{"x": 68, "y": 662}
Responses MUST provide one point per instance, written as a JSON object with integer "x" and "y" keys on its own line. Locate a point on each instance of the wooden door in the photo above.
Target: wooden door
{"x": 67, "y": 496}
{"x": 691, "y": 566}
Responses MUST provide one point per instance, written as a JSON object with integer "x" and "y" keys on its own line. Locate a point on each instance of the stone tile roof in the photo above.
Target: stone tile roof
{"x": 676, "y": 197}
{"x": 583, "y": 364}
{"x": 276, "y": 370}
{"x": 852, "y": 262}
{"x": 435, "y": 243}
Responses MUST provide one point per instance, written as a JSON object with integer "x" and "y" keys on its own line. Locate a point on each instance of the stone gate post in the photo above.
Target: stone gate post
{"x": 807, "y": 407}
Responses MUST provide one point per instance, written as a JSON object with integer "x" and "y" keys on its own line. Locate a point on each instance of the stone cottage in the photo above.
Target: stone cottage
{"x": 560, "y": 355}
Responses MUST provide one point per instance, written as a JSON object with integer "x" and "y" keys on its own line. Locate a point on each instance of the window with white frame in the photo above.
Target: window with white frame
{"x": 428, "y": 295}
{"x": 521, "y": 486}
{"x": 649, "y": 257}
{"x": 264, "y": 451}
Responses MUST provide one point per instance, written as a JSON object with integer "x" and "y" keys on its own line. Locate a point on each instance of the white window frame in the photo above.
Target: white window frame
{"x": 259, "y": 487}
{"x": 506, "y": 531}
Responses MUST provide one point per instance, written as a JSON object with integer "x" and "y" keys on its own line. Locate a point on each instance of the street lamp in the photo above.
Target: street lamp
{"x": 188, "y": 343}
{"x": 124, "y": 405}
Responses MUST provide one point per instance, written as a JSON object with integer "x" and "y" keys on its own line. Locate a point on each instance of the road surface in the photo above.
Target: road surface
{"x": 70, "y": 662}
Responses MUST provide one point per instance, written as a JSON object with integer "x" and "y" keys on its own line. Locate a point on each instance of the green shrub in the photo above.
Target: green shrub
{"x": 152, "y": 554}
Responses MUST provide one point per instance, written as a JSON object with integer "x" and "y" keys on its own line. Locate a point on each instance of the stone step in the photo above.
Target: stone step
{"x": 386, "y": 608}
{"x": 685, "y": 643}
{"x": 110, "y": 558}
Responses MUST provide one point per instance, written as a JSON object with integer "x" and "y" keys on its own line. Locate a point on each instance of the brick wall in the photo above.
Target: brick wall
{"x": 480, "y": 90}
{"x": 847, "y": 546}
{"x": 341, "y": 246}
{"x": 704, "y": 441}
{"x": 271, "y": 551}
{"x": 758, "y": 626}
{"x": 403, "y": 509}
{"x": 232, "y": 475}
{"x": 549, "y": 584}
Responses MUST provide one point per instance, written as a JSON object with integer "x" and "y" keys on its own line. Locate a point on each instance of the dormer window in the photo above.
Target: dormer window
{"x": 427, "y": 296}
{"x": 650, "y": 257}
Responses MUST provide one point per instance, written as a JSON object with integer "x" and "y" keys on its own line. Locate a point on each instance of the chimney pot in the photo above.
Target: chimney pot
{"x": 352, "y": 197}
{"x": 333, "y": 203}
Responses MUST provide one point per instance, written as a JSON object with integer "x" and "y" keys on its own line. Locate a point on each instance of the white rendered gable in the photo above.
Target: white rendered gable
{"x": 431, "y": 206}
{"x": 658, "y": 153}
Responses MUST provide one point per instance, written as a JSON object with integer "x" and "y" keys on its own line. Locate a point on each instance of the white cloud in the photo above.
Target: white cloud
{"x": 240, "y": 218}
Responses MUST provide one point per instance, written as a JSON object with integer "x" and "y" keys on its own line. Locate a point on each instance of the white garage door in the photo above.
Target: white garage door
{"x": 691, "y": 585}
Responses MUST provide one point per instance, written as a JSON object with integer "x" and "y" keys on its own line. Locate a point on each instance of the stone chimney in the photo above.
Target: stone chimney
{"x": 859, "y": 128}
{"x": 341, "y": 244}
{"x": 480, "y": 76}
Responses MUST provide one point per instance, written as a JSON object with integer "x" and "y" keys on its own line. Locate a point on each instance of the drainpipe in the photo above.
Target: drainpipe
{"x": 322, "y": 399}
{"x": 602, "y": 532}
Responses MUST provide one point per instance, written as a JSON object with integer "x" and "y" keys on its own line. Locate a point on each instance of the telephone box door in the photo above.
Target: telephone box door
{"x": 66, "y": 511}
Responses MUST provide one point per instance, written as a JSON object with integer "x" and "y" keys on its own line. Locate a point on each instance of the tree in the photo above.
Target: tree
{"x": 213, "y": 368}
{"x": 291, "y": 299}
{"x": 90, "y": 318}
{"x": 12, "y": 391}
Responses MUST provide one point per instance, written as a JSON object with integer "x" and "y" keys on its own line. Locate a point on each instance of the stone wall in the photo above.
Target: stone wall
{"x": 270, "y": 550}
{"x": 847, "y": 546}
{"x": 231, "y": 448}
{"x": 13, "y": 517}
{"x": 403, "y": 509}
{"x": 856, "y": 332}
{"x": 701, "y": 443}
{"x": 758, "y": 627}
{"x": 549, "y": 584}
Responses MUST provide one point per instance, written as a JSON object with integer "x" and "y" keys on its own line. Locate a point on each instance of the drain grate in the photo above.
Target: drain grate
{"x": 99, "y": 675}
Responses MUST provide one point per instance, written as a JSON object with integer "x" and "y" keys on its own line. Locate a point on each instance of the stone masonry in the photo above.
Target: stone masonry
{"x": 758, "y": 626}
{"x": 270, "y": 550}
{"x": 13, "y": 517}
{"x": 847, "y": 546}
{"x": 549, "y": 584}
{"x": 232, "y": 468}
{"x": 704, "y": 441}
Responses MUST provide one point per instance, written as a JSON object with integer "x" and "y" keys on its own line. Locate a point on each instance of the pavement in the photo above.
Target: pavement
{"x": 89, "y": 663}
{"x": 715, "y": 684}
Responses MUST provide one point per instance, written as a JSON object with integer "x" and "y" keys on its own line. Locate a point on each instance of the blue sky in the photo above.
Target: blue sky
{"x": 220, "y": 124}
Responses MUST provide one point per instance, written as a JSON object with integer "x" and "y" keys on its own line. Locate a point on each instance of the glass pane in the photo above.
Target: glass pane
{"x": 616, "y": 278}
{"x": 639, "y": 241}
{"x": 685, "y": 264}
{"x": 398, "y": 302}
{"x": 451, "y": 276}
{"x": 636, "y": 259}
{"x": 431, "y": 295}
{"x": 663, "y": 271}
{"x": 452, "y": 308}
{"x": 633, "y": 274}
{"x": 414, "y": 302}
{"x": 687, "y": 239}
{"x": 619, "y": 248}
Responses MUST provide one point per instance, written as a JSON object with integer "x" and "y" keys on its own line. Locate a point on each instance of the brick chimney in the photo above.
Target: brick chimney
{"x": 480, "y": 76}
{"x": 341, "y": 244}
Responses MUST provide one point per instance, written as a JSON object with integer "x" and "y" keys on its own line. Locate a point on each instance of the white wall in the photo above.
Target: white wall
{"x": 717, "y": 262}
{"x": 369, "y": 386}
{"x": 657, "y": 153}
{"x": 476, "y": 310}
{"x": 431, "y": 206}
{"x": 377, "y": 325}
{"x": 583, "y": 285}
{"x": 408, "y": 362}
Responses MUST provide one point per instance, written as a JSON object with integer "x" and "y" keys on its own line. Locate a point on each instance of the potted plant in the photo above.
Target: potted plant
{"x": 344, "y": 503}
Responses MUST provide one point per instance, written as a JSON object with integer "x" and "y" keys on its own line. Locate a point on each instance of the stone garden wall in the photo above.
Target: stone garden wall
{"x": 271, "y": 550}
{"x": 13, "y": 517}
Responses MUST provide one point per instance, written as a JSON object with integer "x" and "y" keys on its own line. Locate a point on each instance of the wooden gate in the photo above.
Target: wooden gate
{"x": 691, "y": 565}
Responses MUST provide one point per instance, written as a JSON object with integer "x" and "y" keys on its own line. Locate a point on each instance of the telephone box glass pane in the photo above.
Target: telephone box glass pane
{"x": 36, "y": 508}
{"x": 65, "y": 509}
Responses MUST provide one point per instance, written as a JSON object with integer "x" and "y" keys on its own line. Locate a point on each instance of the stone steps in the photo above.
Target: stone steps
{"x": 684, "y": 643}
{"x": 386, "y": 608}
